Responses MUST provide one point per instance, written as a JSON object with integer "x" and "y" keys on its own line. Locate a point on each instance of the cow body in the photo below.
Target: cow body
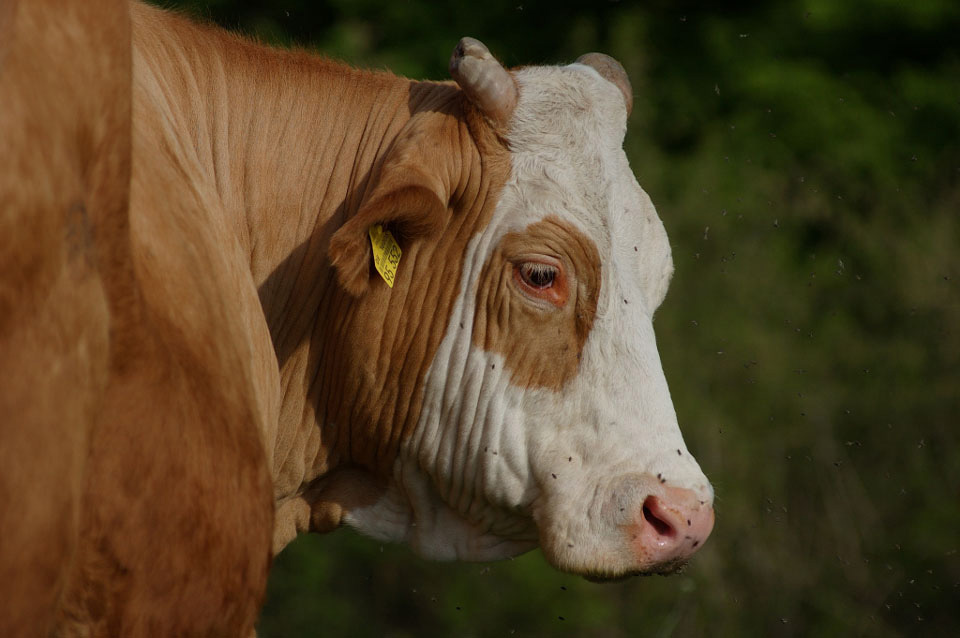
{"x": 234, "y": 373}
{"x": 122, "y": 432}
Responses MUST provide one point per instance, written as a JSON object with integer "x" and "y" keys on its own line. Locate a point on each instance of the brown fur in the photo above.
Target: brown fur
{"x": 64, "y": 169}
{"x": 171, "y": 327}
{"x": 541, "y": 344}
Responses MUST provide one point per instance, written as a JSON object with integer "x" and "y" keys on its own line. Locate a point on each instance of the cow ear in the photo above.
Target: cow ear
{"x": 407, "y": 200}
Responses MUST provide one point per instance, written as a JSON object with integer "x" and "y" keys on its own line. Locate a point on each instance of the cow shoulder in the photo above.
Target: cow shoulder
{"x": 64, "y": 169}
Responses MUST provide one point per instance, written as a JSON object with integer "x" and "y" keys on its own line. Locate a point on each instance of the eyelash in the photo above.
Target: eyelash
{"x": 538, "y": 275}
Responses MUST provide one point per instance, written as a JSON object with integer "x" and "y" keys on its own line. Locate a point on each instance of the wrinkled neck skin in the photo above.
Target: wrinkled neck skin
{"x": 282, "y": 147}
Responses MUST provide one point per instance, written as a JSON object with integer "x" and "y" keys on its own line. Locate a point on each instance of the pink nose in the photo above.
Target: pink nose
{"x": 673, "y": 525}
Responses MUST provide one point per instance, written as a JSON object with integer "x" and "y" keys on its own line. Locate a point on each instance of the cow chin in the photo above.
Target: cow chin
{"x": 613, "y": 565}
{"x": 664, "y": 569}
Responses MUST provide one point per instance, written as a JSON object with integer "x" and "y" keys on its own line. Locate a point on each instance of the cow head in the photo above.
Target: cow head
{"x": 515, "y": 384}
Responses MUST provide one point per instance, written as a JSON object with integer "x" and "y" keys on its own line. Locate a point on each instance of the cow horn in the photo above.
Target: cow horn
{"x": 610, "y": 70}
{"x": 488, "y": 85}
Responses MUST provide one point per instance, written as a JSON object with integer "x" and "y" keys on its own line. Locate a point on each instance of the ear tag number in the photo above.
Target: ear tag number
{"x": 386, "y": 253}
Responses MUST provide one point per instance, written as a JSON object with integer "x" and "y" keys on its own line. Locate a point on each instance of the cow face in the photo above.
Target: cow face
{"x": 545, "y": 417}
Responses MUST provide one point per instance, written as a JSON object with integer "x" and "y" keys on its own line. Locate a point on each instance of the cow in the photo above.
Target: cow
{"x": 250, "y": 292}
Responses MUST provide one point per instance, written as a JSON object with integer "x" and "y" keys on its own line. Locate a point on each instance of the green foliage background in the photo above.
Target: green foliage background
{"x": 805, "y": 158}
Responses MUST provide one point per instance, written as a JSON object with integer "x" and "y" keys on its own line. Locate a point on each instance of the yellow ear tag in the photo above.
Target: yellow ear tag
{"x": 386, "y": 253}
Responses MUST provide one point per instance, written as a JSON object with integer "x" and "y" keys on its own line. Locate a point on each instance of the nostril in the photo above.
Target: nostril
{"x": 651, "y": 508}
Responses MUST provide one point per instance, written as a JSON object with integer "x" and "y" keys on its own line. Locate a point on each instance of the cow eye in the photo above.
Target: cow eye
{"x": 542, "y": 279}
{"x": 537, "y": 275}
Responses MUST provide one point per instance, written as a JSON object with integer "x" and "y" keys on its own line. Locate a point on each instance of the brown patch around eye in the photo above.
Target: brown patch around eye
{"x": 541, "y": 344}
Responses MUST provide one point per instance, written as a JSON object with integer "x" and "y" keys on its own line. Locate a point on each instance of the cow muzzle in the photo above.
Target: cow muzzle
{"x": 637, "y": 524}
{"x": 667, "y": 526}
{"x": 670, "y": 527}
{"x": 659, "y": 526}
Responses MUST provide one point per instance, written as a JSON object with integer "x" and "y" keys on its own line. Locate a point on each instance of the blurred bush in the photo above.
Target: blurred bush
{"x": 805, "y": 158}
